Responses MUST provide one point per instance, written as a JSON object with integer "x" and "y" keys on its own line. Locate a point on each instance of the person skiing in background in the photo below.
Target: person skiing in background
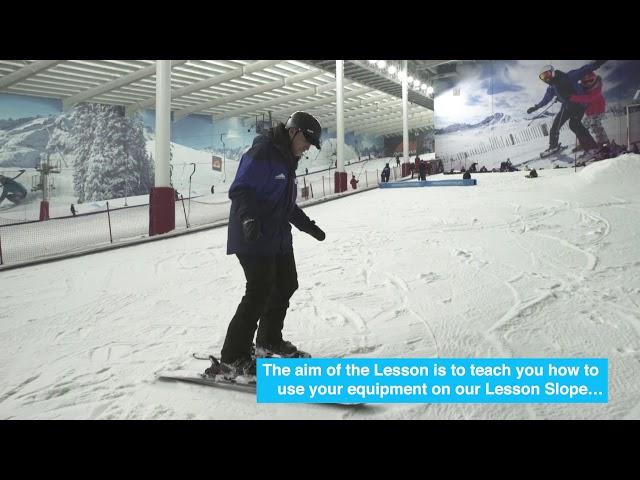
{"x": 562, "y": 86}
{"x": 354, "y": 181}
{"x": 386, "y": 172}
{"x": 12, "y": 190}
{"x": 263, "y": 205}
{"x": 422, "y": 171}
{"x": 595, "y": 102}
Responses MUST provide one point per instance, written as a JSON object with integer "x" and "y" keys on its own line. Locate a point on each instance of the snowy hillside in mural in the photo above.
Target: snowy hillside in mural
{"x": 191, "y": 173}
{"x": 22, "y": 141}
{"x": 103, "y": 149}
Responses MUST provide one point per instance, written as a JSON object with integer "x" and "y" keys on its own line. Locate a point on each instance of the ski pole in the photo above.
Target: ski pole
{"x": 540, "y": 114}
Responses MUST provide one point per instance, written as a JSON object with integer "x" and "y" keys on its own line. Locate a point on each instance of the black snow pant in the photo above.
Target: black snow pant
{"x": 574, "y": 114}
{"x": 271, "y": 281}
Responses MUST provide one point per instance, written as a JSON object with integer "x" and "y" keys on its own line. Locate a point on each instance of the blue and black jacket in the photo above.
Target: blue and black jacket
{"x": 566, "y": 84}
{"x": 265, "y": 189}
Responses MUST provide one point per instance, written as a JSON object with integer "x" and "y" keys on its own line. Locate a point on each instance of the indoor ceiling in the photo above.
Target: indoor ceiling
{"x": 236, "y": 88}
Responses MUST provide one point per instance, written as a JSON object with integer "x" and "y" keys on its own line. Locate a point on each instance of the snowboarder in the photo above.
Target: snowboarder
{"x": 263, "y": 207}
{"x": 595, "y": 103}
{"x": 562, "y": 86}
{"x": 12, "y": 190}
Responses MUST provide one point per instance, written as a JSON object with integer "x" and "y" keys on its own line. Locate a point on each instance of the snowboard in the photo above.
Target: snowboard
{"x": 220, "y": 382}
{"x": 211, "y": 382}
{"x": 231, "y": 385}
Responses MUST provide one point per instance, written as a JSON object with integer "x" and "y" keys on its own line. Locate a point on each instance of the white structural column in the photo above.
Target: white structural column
{"x": 162, "y": 212}
{"x": 163, "y": 121}
{"x": 340, "y": 114}
{"x": 405, "y": 112}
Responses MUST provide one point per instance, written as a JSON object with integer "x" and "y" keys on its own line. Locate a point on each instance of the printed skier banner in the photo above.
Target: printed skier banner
{"x": 535, "y": 112}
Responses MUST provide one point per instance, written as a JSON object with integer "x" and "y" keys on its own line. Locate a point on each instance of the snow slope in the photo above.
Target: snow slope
{"x": 513, "y": 267}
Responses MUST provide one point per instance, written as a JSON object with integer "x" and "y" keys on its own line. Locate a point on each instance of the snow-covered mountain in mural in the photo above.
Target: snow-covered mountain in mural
{"x": 104, "y": 150}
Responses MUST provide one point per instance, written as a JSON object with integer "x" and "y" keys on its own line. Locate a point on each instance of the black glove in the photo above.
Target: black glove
{"x": 315, "y": 231}
{"x": 531, "y": 109}
{"x": 251, "y": 229}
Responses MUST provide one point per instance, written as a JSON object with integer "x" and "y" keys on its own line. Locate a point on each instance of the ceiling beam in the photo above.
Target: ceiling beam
{"x": 294, "y": 96}
{"x": 206, "y": 83}
{"x": 306, "y": 106}
{"x": 373, "y": 112}
{"x": 372, "y": 122}
{"x": 299, "y": 77}
{"x": 26, "y": 71}
{"x": 395, "y": 116}
{"x": 114, "y": 84}
{"x": 311, "y": 106}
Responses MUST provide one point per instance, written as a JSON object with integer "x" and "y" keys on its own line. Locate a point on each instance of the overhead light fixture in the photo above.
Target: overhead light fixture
{"x": 429, "y": 90}
{"x": 416, "y": 83}
{"x": 382, "y": 64}
{"x": 392, "y": 69}
{"x": 409, "y": 79}
{"x": 373, "y": 62}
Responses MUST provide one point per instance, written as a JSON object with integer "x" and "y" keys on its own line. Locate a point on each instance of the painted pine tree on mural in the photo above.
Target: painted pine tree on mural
{"x": 111, "y": 159}
{"x": 97, "y": 182}
{"x": 82, "y": 136}
{"x": 141, "y": 161}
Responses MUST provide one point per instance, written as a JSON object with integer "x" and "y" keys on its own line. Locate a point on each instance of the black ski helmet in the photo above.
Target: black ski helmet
{"x": 309, "y": 126}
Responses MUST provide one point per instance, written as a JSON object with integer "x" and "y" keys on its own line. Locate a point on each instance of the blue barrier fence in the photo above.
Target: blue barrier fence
{"x": 431, "y": 183}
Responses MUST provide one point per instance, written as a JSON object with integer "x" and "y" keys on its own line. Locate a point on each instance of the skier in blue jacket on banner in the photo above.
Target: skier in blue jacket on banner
{"x": 263, "y": 207}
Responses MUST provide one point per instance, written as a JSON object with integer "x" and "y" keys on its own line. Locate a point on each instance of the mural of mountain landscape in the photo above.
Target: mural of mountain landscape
{"x": 100, "y": 155}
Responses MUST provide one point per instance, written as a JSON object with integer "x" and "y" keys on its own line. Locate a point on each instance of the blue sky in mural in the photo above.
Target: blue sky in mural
{"x": 200, "y": 132}
{"x": 511, "y": 86}
{"x": 21, "y": 106}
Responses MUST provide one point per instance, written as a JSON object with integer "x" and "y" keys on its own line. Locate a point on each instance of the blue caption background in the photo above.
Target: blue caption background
{"x": 432, "y": 380}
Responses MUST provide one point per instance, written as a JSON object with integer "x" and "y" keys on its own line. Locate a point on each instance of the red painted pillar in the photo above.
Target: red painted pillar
{"x": 162, "y": 210}
{"x": 44, "y": 210}
{"x": 340, "y": 182}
